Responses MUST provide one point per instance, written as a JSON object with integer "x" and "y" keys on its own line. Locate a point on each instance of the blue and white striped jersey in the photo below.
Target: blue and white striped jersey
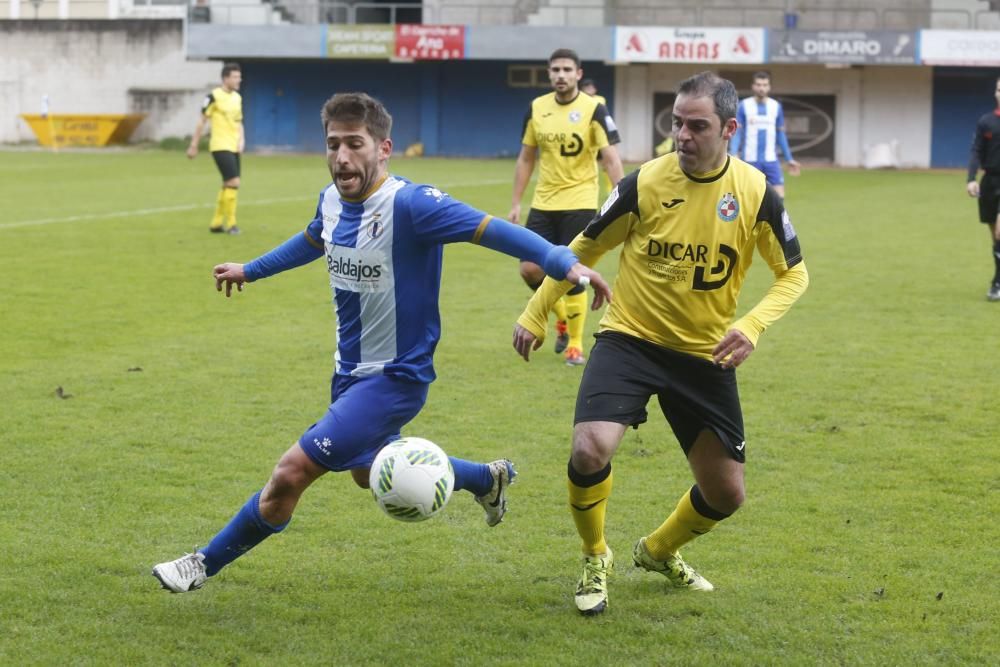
{"x": 384, "y": 257}
{"x": 759, "y": 123}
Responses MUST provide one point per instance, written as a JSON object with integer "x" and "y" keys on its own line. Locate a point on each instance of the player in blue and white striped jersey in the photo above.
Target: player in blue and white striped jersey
{"x": 761, "y": 131}
{"x": 382, "y": 239}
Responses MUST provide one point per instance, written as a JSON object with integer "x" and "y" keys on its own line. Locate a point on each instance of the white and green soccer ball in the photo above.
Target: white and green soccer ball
{"x": 411, "y": 479}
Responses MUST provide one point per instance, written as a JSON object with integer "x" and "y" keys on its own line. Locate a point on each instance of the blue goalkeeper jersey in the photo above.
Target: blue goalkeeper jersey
{"x": 384, "y": 257}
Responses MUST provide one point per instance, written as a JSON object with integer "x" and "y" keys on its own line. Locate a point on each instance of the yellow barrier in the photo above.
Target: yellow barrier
{"x": 101, "y": 129}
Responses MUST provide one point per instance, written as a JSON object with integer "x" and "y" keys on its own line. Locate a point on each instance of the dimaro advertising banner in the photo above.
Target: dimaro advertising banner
{"x": 972, "y": 48}
{"x": 858, "y": 47}
{"x": 689, "y": 45}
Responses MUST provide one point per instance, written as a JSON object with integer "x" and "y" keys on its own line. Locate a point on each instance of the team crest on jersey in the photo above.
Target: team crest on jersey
{"x": 376, "y": 226}
{"x": 574, "y": 116}
{"x": 728, "y": 207}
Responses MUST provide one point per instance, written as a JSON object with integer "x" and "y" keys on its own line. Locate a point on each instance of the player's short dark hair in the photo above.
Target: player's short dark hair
{"x": 565, "y": 53}
{"x": 761, "y": 74}
{"x": 229, "y": 68}
{"x": 709, "y": 84}
{"x": 587, "y": 82}
{"x": 358, "y": 108}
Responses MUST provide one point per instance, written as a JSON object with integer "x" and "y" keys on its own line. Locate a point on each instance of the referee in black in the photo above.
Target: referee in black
{"x": 985, "y": 154}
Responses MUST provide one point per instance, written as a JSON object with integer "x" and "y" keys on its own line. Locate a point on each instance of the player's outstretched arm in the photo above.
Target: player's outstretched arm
{"x": 584, "y": 276}
{"x": 229, "y": 274}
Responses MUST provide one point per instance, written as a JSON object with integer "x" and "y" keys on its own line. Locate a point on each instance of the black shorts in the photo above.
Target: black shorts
{"x": 559, "y": 227}
{"x": 623, "y": 372}
{"x": 228, "y": 163}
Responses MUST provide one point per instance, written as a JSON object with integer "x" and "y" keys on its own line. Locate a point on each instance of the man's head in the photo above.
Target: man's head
{"x": 231, "y": 76}
{"x": 761, "y": 85}
{"x": 588, "y": 86}
{"x": 357, "y": 142}
{"x": 564, "y": 73}
{"x": 996, "y": 92}
{"x": 704, "y": 119}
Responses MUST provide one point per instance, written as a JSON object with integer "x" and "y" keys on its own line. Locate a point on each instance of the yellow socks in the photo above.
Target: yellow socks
{"x": 588, "y": 502}
{"x": 683, "y": 525}
{"x": 229, "y": 206}
{"x": 576, "y": 317}
{"x": 220, "y": 210}
{"x": 560, "y": 309}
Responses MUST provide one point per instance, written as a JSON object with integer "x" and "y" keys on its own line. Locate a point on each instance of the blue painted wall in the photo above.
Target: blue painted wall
{"x": 461, "y": 108}
{"x": 961, "y": 96}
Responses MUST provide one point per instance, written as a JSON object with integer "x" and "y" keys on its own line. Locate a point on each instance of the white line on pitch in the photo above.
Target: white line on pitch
{"x": 90, "y": 217}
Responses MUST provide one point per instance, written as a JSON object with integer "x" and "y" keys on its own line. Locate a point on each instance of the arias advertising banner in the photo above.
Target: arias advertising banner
{"x": 430, "y": 42}
{"x": 859, "y": 47}
{"x": 689, "y": 45}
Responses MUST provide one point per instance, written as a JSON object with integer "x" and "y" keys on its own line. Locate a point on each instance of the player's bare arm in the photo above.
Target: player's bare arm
{"x": 522, "y": 174}
{"x": 192, "y": 149}
{"x": 732, "y": 350}
{"x": 612, "y": 163}
{"x": 229, "y": 274}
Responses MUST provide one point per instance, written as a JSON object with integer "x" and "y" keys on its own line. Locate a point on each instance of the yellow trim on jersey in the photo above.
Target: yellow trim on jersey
{"x": 369, "y": 192}
{"x": 481, "y": 229}
{"x": 568, "y": 137}
{"x": 687, "y": 243}
{"x": 313, "y": 242}
{"x": 225, "y": 111}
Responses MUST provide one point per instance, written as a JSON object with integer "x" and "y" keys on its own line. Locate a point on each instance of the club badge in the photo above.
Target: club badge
{"x": 728, "y": 207}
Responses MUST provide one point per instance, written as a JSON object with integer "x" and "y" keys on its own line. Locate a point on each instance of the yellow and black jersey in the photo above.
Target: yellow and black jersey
{"x": 568, "y": 137}
{"x": 225, "y": 111}
{"x": 688, "y": 242}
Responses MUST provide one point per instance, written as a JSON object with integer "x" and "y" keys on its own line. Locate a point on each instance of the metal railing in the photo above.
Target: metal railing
{"x": 623, "y": 12}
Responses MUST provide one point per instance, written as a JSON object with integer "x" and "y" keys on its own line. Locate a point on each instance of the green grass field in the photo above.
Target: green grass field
{"x": 869, "y": 535}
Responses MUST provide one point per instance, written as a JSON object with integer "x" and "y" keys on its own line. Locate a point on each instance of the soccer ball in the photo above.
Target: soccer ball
{"x": 411, "y": 479}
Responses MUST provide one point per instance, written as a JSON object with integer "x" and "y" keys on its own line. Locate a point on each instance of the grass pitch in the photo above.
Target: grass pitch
{"x": 140, "y": 409}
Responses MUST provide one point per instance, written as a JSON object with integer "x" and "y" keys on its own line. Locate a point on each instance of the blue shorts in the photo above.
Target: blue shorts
{"x": 365, "y": 414}
{"x": 772, "y": 172}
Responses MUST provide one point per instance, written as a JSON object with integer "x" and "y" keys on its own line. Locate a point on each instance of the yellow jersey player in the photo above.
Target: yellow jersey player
{"x": 223, "y": 108}
{"x": 564, "y": 131}
{"x": 688, "y": 223}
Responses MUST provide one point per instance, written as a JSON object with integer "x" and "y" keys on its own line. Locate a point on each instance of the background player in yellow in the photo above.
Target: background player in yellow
{"x": 588, "y": 86}
{"x": 223, "y": 109}
{"x": 689, "y": 222}
{"x": 564, "y": 131}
